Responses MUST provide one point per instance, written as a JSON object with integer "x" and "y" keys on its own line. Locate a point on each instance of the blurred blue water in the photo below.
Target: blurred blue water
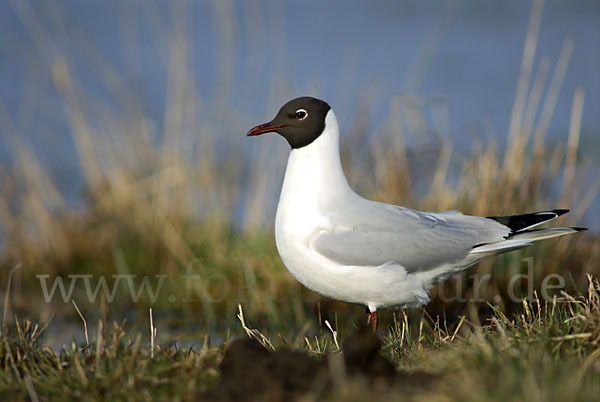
{"x": 334, "y": 49}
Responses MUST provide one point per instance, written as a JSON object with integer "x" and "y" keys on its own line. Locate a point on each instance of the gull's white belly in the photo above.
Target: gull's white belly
{"x": 384, "y": 286}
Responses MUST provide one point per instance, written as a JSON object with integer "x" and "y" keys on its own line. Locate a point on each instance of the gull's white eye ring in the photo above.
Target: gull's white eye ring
{"x": 301, "y": 114}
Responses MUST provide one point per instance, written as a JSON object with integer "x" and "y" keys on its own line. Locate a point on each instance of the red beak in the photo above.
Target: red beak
{"x": 263, "y": 128}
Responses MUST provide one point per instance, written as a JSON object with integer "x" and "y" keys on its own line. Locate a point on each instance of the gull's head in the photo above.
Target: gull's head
{"x": 300, "y": 121}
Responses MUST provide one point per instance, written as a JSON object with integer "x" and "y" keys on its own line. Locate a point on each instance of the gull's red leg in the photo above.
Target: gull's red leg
{"x": 372, "y": 319}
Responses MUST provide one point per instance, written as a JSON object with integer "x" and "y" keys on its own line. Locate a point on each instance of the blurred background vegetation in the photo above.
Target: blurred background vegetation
{"x": 123, "y": 151}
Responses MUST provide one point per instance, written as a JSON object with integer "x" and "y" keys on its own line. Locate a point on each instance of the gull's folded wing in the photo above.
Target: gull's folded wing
{"x": 374, "y": 234}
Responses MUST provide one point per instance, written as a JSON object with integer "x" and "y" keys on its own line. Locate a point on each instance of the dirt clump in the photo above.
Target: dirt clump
{"x": 250, "y": 372}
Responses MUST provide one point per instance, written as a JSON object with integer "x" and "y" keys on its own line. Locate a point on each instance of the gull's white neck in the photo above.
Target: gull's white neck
{"x": 314, "y": 172}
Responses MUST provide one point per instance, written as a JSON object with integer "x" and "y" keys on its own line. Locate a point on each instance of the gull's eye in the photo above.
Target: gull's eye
{"x": 301, "y": 114}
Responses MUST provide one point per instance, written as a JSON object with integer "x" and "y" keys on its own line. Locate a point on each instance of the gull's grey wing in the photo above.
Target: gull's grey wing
{"x": 373, "y": 234}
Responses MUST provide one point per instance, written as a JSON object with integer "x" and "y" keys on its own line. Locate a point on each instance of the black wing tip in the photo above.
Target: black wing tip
{"x": 579, "y": 229}
{"x": 518, "y": 223}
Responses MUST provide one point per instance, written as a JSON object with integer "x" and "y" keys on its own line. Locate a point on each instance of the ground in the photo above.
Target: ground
{"x": 550, "y": 351}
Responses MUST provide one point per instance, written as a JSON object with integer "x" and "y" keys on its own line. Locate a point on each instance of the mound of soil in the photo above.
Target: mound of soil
{"x": 250, "y": 372}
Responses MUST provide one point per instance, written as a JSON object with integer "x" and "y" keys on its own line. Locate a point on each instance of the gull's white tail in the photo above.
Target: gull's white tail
{"x": 522, "y": 234}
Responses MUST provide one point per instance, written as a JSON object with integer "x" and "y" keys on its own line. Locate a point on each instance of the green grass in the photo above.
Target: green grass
{"x": 551, "y": 351}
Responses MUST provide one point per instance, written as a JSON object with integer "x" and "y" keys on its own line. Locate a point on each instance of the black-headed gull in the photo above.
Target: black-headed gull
{"x": 348, "y": 248}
